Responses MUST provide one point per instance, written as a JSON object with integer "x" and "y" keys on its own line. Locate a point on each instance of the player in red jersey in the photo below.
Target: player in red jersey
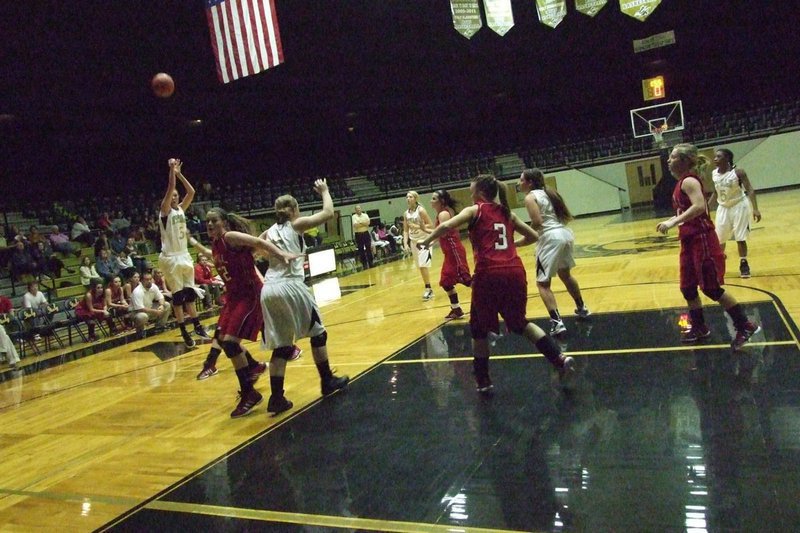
{"x": 702, "y": 262}
{"x": 240, "y": 318}
{"x": 455, "y": 268}
{"x": 499, "y": 283}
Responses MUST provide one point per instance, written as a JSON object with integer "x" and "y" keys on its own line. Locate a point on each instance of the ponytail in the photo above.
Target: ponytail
{"x": 284, "y": 208}
{"x": 488, "y": 187}
{"x": 232, "y": 220}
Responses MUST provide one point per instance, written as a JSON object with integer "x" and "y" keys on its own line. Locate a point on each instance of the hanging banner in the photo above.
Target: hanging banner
{"x": 499, "y": 16}
{"x": 551, "y": 12}
{"x": 590, "y": 7}
{"x": 466, "y": 17}
{"x": 654, "y": 41}
{"x": 638, "y": 9}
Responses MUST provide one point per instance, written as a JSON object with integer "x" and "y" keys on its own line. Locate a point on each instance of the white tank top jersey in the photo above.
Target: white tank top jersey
{"x": 174, "y": 238}
{"x": 729, "y": 188}
{"x": 414, "y": 221}
{"x": 286, "y": 238}
{"x": 548, "y": 212}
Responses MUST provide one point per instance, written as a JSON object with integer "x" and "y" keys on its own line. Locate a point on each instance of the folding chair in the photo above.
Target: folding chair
{"x": 13, "y": 330}
{"x": 26, "y": 319}
{"x": 48, "y": 327}
{"x": 72, "y": 320}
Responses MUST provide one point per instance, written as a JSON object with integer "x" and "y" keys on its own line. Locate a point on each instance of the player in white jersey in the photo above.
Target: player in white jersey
{"x": 416, "y": 226}
{"x": 549, "y": 215}
{"x": 175, "y": 261}
{"x": 736, "y": 201}
{"x": 289, "y": 309}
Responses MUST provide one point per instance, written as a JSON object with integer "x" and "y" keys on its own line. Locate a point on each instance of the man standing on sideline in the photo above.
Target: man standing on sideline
{"x": 362, "y": 237}
{"x": 175, "y": 261}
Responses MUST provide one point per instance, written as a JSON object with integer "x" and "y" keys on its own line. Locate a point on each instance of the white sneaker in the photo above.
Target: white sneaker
{"x": 557, "y": 327}
{"x": 427, "y": 295}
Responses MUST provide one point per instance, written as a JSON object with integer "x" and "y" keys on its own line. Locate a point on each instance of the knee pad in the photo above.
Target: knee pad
{"x": 448, "y": 288}
{"x": 715, "y": 293}
{"x": 690, "y": 293}
{"x": 284, "y": 352}
{"x": 231, "y": 348}
{"x": 320, "y": 340}
{"x": 518, "y": 330}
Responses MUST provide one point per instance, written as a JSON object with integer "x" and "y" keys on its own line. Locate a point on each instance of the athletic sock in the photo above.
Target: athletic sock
{"x": 555, "y": 315}
{"x": 211, "y": 359}
{"x": 243, "y": 375}
{"x": 551, "y": 351}
{"x": 696, "y": 317}
{"x": 324, "y": 369}
{"x": 276, "y": 385}
{"x": 453, "y": 300}
{"x": 480, "y": 366}
{"x": 579, "y": 303}
{"x": 737, "y": 314}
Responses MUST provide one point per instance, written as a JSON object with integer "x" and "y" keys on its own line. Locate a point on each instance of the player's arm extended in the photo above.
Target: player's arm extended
{"x": 464, "y": 217}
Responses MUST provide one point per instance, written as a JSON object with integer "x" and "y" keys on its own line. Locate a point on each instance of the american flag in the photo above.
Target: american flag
{"x": 244, "y": 36}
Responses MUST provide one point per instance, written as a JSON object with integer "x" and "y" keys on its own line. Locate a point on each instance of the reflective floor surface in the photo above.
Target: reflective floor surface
{"x": 650, "y": 435}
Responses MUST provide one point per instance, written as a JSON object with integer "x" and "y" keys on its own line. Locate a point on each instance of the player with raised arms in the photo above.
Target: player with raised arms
{"x": 174, "y": 260}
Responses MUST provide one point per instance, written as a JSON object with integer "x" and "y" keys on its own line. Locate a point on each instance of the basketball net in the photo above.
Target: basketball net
{"x": 658, "y": 135}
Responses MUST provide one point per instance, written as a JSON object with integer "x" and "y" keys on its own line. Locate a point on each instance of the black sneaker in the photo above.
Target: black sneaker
{"x": 187, "y": 339}
{"x": 200, "y": 331}
{"x": 334, "y": 383}
{"x": 278, "y": 404}
{"x": 744, "y": 269}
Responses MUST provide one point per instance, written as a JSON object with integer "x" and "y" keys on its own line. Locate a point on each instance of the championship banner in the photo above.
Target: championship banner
{"x": 590, "y": 7}
{"x": 466, "y": 17}
{"x": 551, "y": 12}
{"x": 499, "y": 16}
{"x": 638, "y": 9}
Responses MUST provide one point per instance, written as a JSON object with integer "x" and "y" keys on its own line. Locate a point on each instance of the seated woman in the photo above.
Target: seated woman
{"x": 93, "y": 308}
{"x": 204, "y": 278}
{"x": 21, "y": 262}
{"x": 125, "y": 264}
{"x": 130, "y": 284}
{"x": 88, "y": 272}
{"x": 116, "y": 303}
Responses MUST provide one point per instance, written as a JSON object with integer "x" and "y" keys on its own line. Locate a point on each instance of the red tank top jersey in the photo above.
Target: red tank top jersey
{"x": 492, "y": 237}
{"x": 236, "y": 267}
{"x": 450, "y": 240}
{"x": 681, "y": 202}
{"x": 98, "y": 302}
{"x": 116, "y": 295}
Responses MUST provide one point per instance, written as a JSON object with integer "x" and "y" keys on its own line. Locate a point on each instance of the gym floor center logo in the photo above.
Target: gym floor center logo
{"x": 627, "y": 246}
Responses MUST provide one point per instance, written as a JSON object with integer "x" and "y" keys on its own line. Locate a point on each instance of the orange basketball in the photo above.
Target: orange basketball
{"x": 163, "y": 85}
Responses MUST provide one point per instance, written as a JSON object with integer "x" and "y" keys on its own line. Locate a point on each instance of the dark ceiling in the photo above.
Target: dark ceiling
{"x": 364, "y": 82}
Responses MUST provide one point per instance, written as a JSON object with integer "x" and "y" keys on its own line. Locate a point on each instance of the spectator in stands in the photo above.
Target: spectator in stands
{"x": 88, "y": 272}
{"x": 34, "y": 236}
{"x": 194, "y": 223}
{"x": 204, "y": 277}
{"x": 161, "y": 283}
{"x": 61, "y": 244}
{"x": 106, "y": 266}
{"x": 147, "y": 303}
{"x": 46, "y": 260}
{"x": 383, "y": 235}
{"x": 101, "y": 243}
{"x": 34, "y": 298}
{"x": 120, "y": 224}
{"x": 6, "y": 344}
{"x": 151, "y": 231}
{"x": 125, "y": 265}
{"x": 12, "y": 232}
{"x": 93, "y": 308}
{"x": 81, "y": 232}
{"x": 118, "y": 242}
{"x": 21, "y": 262}
{"x": 130, "y": 285}
{"x": 104, "y": 222}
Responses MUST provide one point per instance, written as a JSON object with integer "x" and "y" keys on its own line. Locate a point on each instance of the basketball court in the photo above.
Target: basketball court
{"x": 650, "y": 435}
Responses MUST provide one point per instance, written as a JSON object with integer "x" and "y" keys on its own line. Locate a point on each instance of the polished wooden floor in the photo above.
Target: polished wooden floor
{"x": 86, "y": 441}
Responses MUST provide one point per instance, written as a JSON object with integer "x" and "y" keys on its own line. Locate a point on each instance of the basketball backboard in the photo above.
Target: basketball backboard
{"x": 659, "y": 118}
